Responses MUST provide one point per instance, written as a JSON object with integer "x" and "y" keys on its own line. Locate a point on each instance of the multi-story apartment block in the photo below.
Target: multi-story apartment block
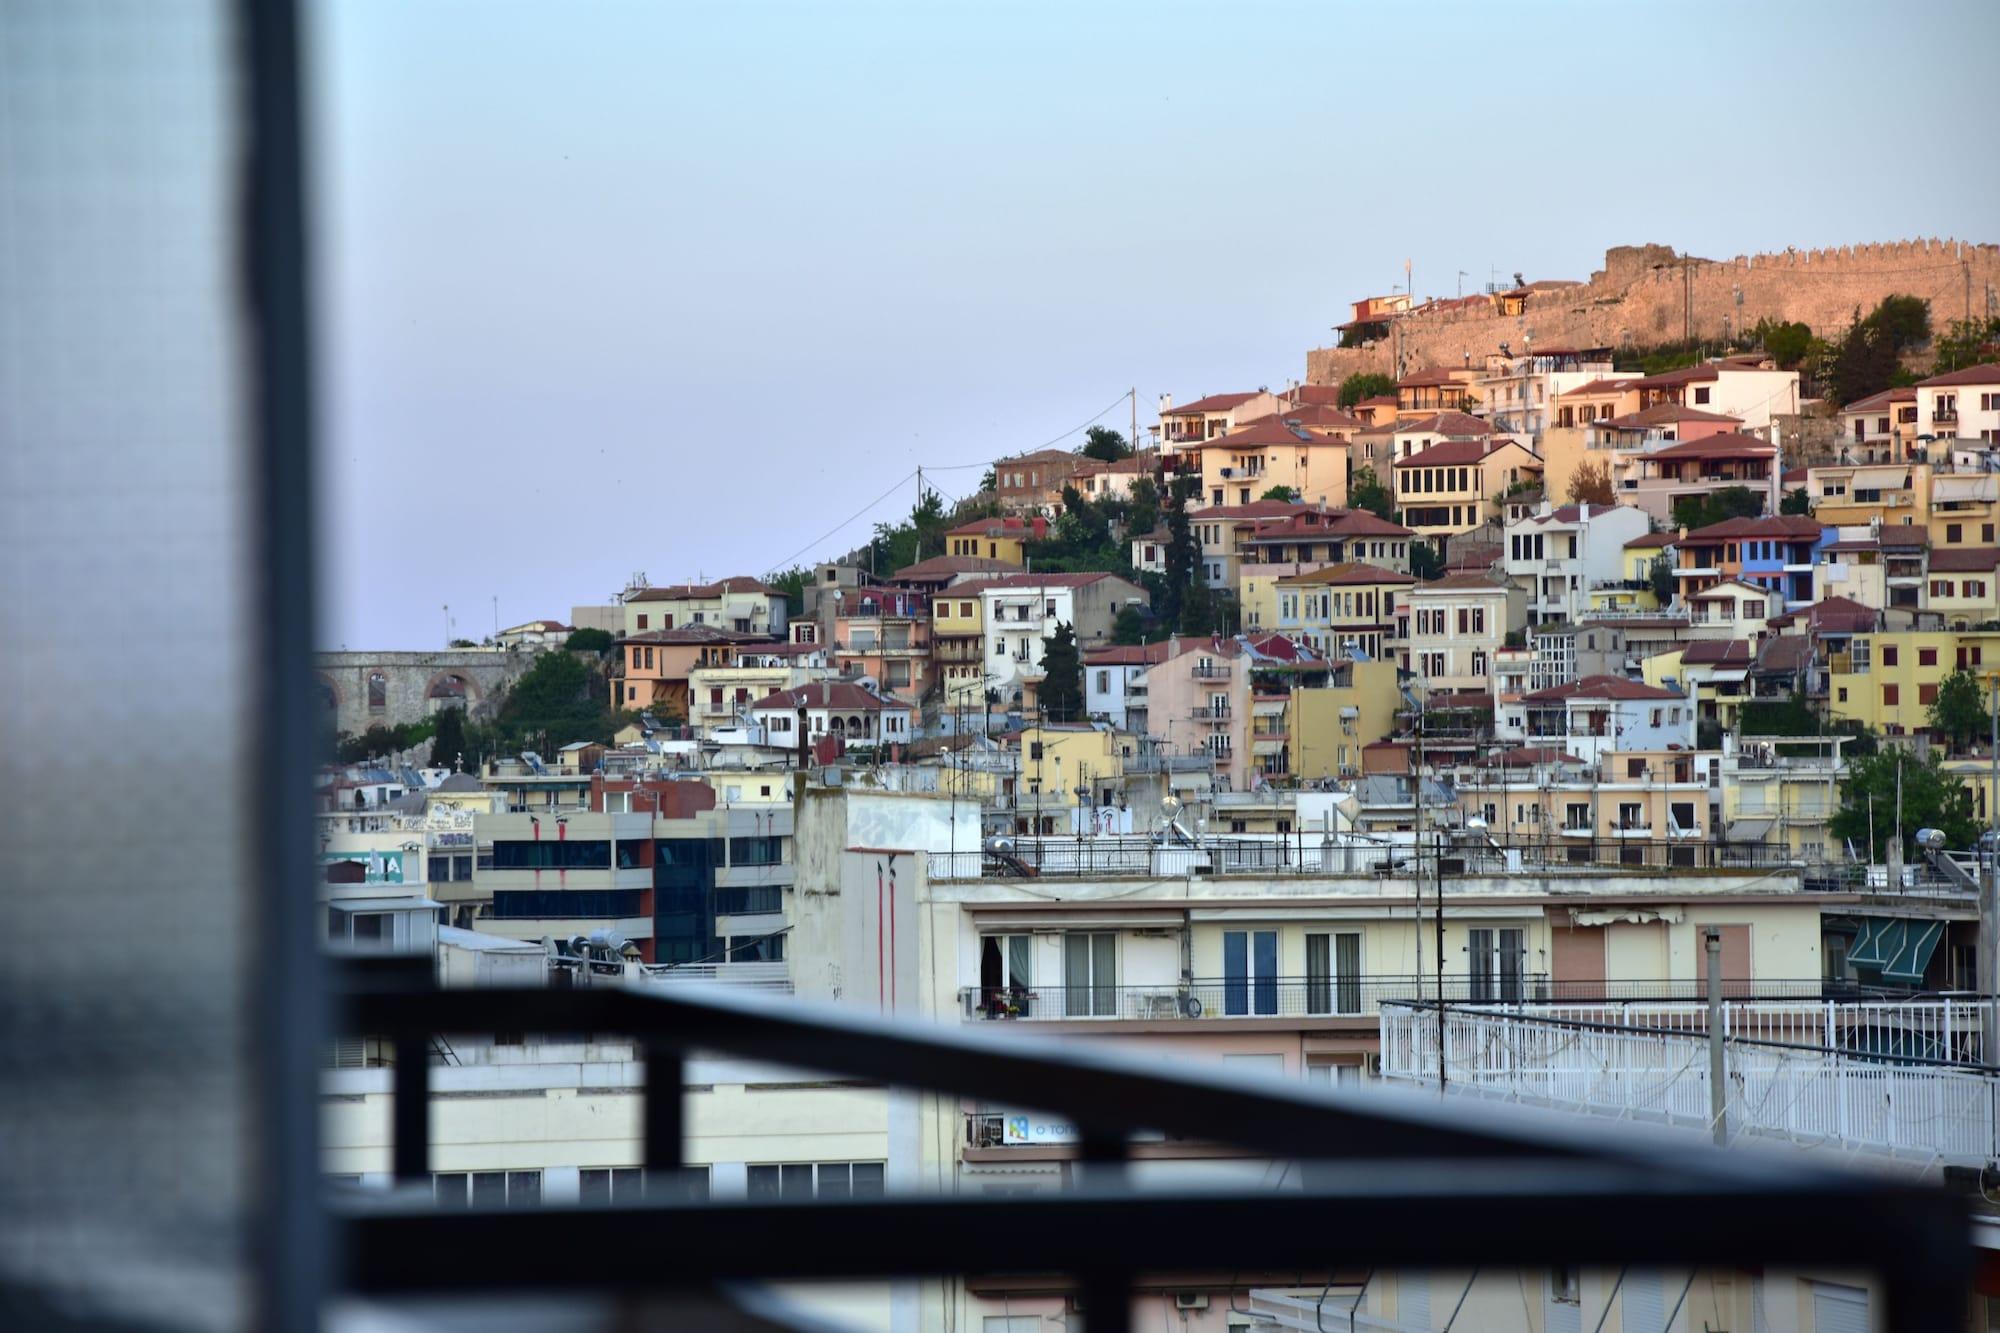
{"x": 1776, "y": 553}
{"x": 1439, "y": 389}
{"x": 1781, "y": 791}
{"x": 1328, "y": 725}
{"x": 1191, "y": 424}
{"x": 1961, "y": 405}
{"x": 1886, "y": 495}
{"x": 884, "y": 634}
{"x": 995, "y": 538}
{"x": 719, "y": 696}
{"x": 1965, "y": 509}
{"x": 659, "y": 662}
{"x": 1598, "y": 715}
{"x": 1544, "y": 794}
{"x": 566, "y": 874}
{"x": 1197, "y": 701}
{"x": 1520, "y": 393}
{"x": 741, "y": 604}
{"x": 1451, "y": 488}
{"x": 1020, "y": 611}
{"x": 1113, "y": 681}
{"x": 958, "y": 645}
{"x": 1658, "y": 480}
{"x": 833, "y": 708}
{"x": 1294, "y": 544}
{"x": 1341, "y": 610}
{"x": 1224, "y": 533}
{"x": 1031, "y": 483}
{"x": 1455, "y": 627}
{"x": 1749, "y": 387}
{"x": 1559, "y": 555}
{"x": 1963, "y": 586}
{"x": 1881, "y": 428}
{"x": 1887, "y": 681}
{"x": 1241, "y": 466}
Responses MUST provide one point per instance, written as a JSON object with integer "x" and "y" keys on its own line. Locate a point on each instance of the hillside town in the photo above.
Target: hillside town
{"x": 1442, "y": 724}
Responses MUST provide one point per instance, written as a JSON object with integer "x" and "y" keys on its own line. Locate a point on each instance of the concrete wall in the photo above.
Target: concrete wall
{"x": 410, "y": 678}
{"x": 1637, "y": 299}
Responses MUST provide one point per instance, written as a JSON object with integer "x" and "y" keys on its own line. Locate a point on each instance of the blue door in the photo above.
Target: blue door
{"x": 1264, "y": 990}
{"x": 1235, "y": 972}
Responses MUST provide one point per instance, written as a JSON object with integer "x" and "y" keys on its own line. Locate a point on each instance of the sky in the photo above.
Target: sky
{"x": 690, "y": 289}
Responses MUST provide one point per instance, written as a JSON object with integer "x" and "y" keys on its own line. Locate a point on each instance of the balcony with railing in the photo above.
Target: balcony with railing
{"x": 1211, "y": 671}
{"x": 1215, "y": 713}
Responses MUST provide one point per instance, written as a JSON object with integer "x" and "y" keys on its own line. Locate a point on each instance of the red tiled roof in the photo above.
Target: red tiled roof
{"x": 1267, "y": 430}
{"x": 1834, "y": 615}
{"x": 676, "y": 592}
{"x": 1526, "y": 757}
{"x": 1716, "y": 652}
{"x": 1324, "y": 417}
{"x": 1602, "y": 687}
{"x": 1433, "y": 377}
{"x": 838, "y": 695}
{"x": 1448, "y": 424}
{"x": 1328, "y": 523}
{"x": 1129, "y": 654}
{"x": 1451, "y": 452}
{"x": 1379, "y": 400}
{"x": 697, "y": 634}
{"x": 1025, "y": 581}
{"x": 1875, "y": 401}
{"x": 1797, "y": 526}
{"x": 1349, "y": 572}
{"x": 992, "y": 527}
{"x": 1215, "y": 402}
{"x": 1785, "y": 652}
{"x": 1661, "y": 414}
{"x": 1973, "y": 560}
{"x": 1674, "y": 378}
{"x": 1473, "y": 582}
{"x": 950, "y": 566}
{"x": 1729, "y": 444}
{"x": 1255, "y": 509}
{"x": 1597, "y": 388}
{"x": 1988, "y": 373}
{"x": 1651, "y": 541}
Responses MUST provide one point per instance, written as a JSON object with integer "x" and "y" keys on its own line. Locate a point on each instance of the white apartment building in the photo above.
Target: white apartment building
{"x": 1517, "y": 390}
{"x": 1599, "y": 715}
{"x": 1961, "y": 405}
{"x": 1559, "y": 555}
{"x": 1020, "y": 611}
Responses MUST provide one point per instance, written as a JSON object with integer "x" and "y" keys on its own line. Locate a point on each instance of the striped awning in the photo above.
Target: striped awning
{"x": 1920, "y": 941}
{"x": 1866, "y": 951}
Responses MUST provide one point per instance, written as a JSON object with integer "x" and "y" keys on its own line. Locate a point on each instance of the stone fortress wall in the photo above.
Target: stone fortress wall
{"x": 414, "y": 684}
{"x": 1646, "y": 295}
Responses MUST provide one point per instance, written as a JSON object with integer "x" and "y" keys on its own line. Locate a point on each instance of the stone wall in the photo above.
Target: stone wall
{"x": 411, "y": 681}
{"x": 1647, "y": 295}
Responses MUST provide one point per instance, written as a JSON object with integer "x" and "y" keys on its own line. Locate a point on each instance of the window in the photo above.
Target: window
{"x": 488, "y": 1189}
{"x": 378, "y": 691}
{"x": 1954, "y": 532}
{"x": 1927, "y": 695}
{"x": 807, "y": 1180}
{"x": 1090, "y": 974}
{"x": 1250, "y": 971}
{"x": 1891, "y": 696}
{"x": 1333, "y": 973}
{"x": 642, "y": 620}
{"x": 1889, "y": 654}
{"x": 1494, "y": 963}
{"x": 1926, "y": 657}
{"x": 1701, "y": 395}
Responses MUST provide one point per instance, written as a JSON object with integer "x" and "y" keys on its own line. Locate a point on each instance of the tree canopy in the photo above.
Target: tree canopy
{"x": 1932, "y": 797}
{"x": 1591, "y": 484}
{"x": 1789, "y": 344}
{"x": 1425, "y": 562}
{"x": 1959, "y": 712}
{"x": 1699, "y": 511}
{"x": 793, "y": 583}
{"x": 1288, "y": 494}
{"x": 1365, "y": 384}
{"x": 1105, "y": 445}
{"x": 1366, "y": 491}
{"x": 1130, "y": 626}
{"x": 448, "y": 749}
{"x": 1062, "y": 676}
{"x": 379, "y": 741}
{"x": 895, "y": 545}
{"x": 1868, "y": 358}
{"x": 559, "y": 700}
{"x": 589, "y": 641}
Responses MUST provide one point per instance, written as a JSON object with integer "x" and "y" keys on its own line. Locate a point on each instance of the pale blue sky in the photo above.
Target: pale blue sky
{"x": 674, "y": 288}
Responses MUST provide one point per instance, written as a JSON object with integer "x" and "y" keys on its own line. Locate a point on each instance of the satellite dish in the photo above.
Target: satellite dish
{"x": 1170, "y": 807}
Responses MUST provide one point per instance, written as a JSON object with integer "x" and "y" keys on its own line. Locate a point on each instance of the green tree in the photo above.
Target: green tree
{"x": 559, "y": 700}
{"x": 1932, "y": 797}
{"x": 448, "y": 744}
{"x": 589, "y": 641}
{"x": 1661, "y": 575}
{"x": 1366, "y": 491}
{"x": 1365, "y": 384}
{"x": 1868, "y": 358}
{"x": 1700, "y": 511}
{"x": 1142, "y": 513}
{"x": 1182, "y": 560}
{"x": 1791, "y": 716}
{"x": 1198, "y": 614}
{"x": 1959, "y": 713}
{"x": 1105, "y": 445}
{"x": 1288, "y": 494}
{"x": 1788, "y": 344}
{"x": 988, "y": 484}
{"x": 1796, "y": 502}
{"x": 1425, "y": 562}
{"x": 1062, "y": 676}
{"x": 921, "y": 534}
{"x": 380, "y": 741}
{"x": 1968, "y": 343}
{"x": 1130, "y": 626}
{"x": 1904, "y": 320}
{"x": 793, "y": 583}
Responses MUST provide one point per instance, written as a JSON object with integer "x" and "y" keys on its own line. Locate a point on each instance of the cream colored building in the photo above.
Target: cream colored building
{"x": 1456, "y": 626}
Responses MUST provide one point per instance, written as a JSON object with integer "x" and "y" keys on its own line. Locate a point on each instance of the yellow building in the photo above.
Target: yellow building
{"x": 1061, "y": 766}
{"x": 1331, "y": 608}
{"x": 995, "y": 538}
{"x": 1886, "y": 681}
{"x": 1855, "y": 495}
{"x": 1449, "y": 488}
{"x": 1328, "y": 725}
{"x": 1566, "y": 445}
{"x": 1963, "y": 586}
{"x": 1240, "y": 467}
{"x": 1632, "y": 590}
{"x": 1782, "y": 791}
{"x": 741, "y": 604}
{"x": 1964, "y": 509}
{"x": 958, "y": 647}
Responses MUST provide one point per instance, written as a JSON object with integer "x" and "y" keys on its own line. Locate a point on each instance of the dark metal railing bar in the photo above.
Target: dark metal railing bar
{"x": 410, "y": 1108}
{"x": 664, "y": 1130}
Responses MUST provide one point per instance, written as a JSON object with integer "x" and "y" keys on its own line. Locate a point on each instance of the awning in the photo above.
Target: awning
{"x": 1919, "y": 942}
{"x": 1866, "y": 950}
{"x": 1880, "y": 478}
{"x": 1747, "y": 830}
{"x": 382, "y": 904}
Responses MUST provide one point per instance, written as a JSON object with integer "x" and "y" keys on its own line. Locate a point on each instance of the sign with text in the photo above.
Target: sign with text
{"x": 1025, "y": 1127}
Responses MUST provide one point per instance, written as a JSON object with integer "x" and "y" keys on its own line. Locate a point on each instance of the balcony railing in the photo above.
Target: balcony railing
{"x": 1210, "y": 714}
{"x": 1945, "y": 417}
{"x": 1214, "y": 671}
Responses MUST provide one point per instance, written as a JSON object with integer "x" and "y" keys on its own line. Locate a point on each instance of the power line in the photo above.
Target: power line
{"x": 782, "y": 564}
{"x": 1086, "y": 424}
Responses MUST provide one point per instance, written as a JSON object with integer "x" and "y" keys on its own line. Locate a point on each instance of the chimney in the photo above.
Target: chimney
{"x": 1166, "y": 402}
{"x": 1583, "y": 511}
{"x": 1039, "y": 526}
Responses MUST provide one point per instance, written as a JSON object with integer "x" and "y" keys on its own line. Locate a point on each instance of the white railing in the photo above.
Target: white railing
{"x": 759, "y": 975}
{"x": 1889, "y": 1102}
{"x": 1949, "y": 1029}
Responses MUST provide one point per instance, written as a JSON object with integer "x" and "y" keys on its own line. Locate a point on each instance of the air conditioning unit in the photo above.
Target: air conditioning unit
{"x": 1190, "y": 1300}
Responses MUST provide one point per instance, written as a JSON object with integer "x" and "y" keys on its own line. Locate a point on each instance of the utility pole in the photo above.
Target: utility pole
{"x": 1989, "y": 902}
{"x": 1718, "y": 1059}
{"x": 1133, "y": 439}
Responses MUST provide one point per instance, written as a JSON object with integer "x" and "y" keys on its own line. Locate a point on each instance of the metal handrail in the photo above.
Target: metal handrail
{"x": 1420, "y": 1184}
